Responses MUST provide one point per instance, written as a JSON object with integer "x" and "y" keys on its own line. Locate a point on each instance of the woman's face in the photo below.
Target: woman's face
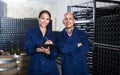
{"x": 44, "y": 20}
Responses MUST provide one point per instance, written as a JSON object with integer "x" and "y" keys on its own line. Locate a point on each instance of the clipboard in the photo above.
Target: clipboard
{"x": 46, "y": 45}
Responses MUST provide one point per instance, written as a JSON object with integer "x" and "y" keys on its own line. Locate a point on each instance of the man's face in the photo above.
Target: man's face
{"x": 68, "y": 20}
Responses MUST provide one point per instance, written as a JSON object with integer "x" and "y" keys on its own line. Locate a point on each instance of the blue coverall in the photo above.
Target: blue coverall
{"x": 73, "y": 57}
{"x": 40, "y": 63}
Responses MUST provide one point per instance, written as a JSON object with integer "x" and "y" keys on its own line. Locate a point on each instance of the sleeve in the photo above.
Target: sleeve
{"x": 54, "y": 53}
{"x": 29, "y": 46}
{"x": 82, "y": 50}
{"x": 65, "y": 47}
{"x": 86, "y": 46}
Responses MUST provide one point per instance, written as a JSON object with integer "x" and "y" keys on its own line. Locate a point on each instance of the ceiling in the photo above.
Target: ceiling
{"x": 45, "y": 1}
{"x": 25, "y": 1}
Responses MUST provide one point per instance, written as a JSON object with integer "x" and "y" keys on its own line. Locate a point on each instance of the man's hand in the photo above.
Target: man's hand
{"x": 79, "y": 44}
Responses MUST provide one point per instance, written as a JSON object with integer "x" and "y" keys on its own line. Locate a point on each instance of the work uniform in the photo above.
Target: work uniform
{"x": 73, "y": 57}
{"x": 40, "y": 63}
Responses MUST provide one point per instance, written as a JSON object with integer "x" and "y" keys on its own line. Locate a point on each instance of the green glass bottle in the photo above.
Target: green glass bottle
{"x": 12, "y": 51}
{"x": 18, "y": 51}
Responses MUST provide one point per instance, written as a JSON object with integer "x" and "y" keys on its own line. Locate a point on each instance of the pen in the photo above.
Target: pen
{"x": 46, "y": 38}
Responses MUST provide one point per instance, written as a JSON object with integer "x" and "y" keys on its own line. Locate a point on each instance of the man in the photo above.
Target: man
{"x": 73, "y": 45}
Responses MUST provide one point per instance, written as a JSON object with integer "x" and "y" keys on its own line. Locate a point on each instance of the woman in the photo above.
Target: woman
{"x": 42, "y": 59}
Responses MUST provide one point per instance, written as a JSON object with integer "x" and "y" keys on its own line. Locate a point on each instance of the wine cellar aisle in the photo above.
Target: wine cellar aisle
{"x": 100, "y": 20}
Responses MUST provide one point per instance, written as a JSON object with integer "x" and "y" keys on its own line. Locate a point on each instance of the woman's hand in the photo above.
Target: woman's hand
{"x": 43, "y": 50}
{"x": 48, "y": 42}
{"x": 47, "y": 50}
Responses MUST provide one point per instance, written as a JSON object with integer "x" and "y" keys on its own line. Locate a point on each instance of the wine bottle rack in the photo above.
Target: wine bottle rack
{"x": 106, "y": 60}
{"x": 13, "y": 32}
{"x": 106, "y": 51}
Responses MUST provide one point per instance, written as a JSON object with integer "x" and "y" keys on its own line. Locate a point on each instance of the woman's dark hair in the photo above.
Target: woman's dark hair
{"x": 44, "y": 11}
